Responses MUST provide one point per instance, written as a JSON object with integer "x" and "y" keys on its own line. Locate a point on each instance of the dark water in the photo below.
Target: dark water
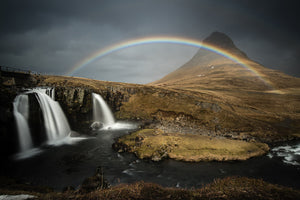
{"x": 60, "y": 166}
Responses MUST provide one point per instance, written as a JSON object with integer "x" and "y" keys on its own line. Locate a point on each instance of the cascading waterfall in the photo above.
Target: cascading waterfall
{"x": 55, "y": 121}
{"x": 21, "y": 112}
{"x": 102, "y": 114}
{"x": 103, "y": 117}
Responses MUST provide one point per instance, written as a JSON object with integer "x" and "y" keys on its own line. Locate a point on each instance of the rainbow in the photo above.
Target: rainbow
{"x": 162, "y": 39}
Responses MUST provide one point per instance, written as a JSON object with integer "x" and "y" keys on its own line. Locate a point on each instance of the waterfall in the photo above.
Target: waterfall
{"x": 55, "y": 121}
{"x": 21, "y": 112}
{"x": 102, "y": 114}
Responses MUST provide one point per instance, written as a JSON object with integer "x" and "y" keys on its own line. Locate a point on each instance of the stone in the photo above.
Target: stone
{"x": 95, "y": 182}
{"x": 8, "y": 81}
{"x": 96, "y": 125}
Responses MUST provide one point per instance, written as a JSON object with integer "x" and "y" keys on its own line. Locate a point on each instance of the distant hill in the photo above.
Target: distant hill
{"x": 209, "y": 70}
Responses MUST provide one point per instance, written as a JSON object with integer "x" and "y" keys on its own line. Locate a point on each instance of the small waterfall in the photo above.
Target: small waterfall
{"x": 102, "y": 114}
{"x": 21, "y": 113}
{"x": 55, "y": 121}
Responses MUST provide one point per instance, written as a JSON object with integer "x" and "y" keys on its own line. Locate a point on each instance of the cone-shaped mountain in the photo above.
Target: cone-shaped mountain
{"x": 222, "y": 41}
{"x": 210, "y": 70}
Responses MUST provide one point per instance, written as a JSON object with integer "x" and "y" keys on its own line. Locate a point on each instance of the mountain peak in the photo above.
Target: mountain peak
{"x": 223, "y": 41}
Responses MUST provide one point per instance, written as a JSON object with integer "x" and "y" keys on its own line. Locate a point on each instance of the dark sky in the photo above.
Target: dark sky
{"x": 53, "y": 36}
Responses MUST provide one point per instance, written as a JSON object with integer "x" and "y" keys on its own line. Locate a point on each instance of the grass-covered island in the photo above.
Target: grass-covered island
{"x": 156, "y": 145}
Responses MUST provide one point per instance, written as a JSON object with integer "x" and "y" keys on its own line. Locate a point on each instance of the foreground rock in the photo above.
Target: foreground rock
{"x": 95, "y": 182}
{"x": 156, "y": 145}
{"x": 17, "y": 197}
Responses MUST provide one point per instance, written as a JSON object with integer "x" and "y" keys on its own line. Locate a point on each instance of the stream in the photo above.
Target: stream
{"x": 69, "y": 165}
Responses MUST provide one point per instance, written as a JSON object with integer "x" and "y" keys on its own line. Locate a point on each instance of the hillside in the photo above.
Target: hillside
{"x": 270, "y": 97}
{"x": 209, "y": 70}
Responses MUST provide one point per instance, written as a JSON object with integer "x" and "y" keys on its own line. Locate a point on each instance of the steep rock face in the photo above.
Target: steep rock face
{"x": 222, "y": 41}
{"x": 77, "y": 102}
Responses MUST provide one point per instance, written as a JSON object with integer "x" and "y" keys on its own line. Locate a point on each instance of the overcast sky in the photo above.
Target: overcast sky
{"x": 53, "y": 36}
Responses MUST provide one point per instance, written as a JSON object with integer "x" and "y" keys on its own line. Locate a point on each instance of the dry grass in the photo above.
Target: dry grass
{"x": 247, "y": 107}
{"x": 234, "y": 188}
{"x": 155, "y": 144}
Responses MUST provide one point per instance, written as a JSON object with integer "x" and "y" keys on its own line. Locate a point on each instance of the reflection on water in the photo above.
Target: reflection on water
{"x": 66, "y": 165}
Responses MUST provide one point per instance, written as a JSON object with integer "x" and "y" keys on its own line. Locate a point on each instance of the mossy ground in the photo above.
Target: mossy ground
{"x": 155, "y": 144}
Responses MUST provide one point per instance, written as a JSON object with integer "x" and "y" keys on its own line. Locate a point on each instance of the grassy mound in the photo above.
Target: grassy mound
{"x": 155, "y": 144}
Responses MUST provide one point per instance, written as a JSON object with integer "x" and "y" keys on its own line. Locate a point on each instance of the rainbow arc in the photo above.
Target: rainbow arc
{"x": 163, "y": 39}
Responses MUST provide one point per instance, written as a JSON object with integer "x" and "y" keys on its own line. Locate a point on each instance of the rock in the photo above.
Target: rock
{"x": 8, "y": 81}
{"x": 96, "y": 125}
{"x": 74, "y": 134}
{"x": 68, "y": 188}
{"x": 95, "y": 182}
{"x": 209, "y": 106}
{"x": 17, "y": 197}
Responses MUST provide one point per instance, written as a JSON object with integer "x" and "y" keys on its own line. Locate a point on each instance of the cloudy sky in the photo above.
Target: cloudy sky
{"x": 54, "y": 36}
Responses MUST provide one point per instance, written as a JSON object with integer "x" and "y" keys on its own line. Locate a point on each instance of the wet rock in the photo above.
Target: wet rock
{"x": 120, "y": 147}
{"x": 74, "y": 134}
{"x": 96, "y": 125}
{"x": 95, "y": 182}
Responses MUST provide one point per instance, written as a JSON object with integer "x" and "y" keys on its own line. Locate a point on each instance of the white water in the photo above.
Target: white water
{"x": 101, "y": 112}
{"x": 103, "y": 117}
{"x": 55, "y": 122}
{"x": 21, "y": 113}
{"x": 290, "y": 154}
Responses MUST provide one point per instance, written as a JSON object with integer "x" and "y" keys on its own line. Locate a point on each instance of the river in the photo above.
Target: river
{"x": 69, "y": 165}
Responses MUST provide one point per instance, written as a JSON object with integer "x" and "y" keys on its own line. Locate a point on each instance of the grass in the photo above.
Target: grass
{"x": 234, "y": 188}
{"x": 156, "y": 145}
{"x": 246, "y": 107}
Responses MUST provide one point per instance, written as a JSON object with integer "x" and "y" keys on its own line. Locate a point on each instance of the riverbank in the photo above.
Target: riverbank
{"x": 155, "y": 144}
{"x": 226, "y": 188}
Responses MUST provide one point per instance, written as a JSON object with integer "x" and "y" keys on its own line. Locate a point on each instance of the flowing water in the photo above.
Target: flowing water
{"x": 21, "y": 112}
{"x": 67, "y": 165}
{"x": 55, "y": 124}
{"x": 101, "y": 112}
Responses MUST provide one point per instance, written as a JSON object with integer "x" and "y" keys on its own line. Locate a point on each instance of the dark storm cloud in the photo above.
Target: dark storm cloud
{"x": 52, "y": 36}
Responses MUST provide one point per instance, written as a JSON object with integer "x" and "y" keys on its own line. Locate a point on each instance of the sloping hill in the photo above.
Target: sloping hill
{"x": 252, "y": 93}
{"x": 209, "y": 70}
